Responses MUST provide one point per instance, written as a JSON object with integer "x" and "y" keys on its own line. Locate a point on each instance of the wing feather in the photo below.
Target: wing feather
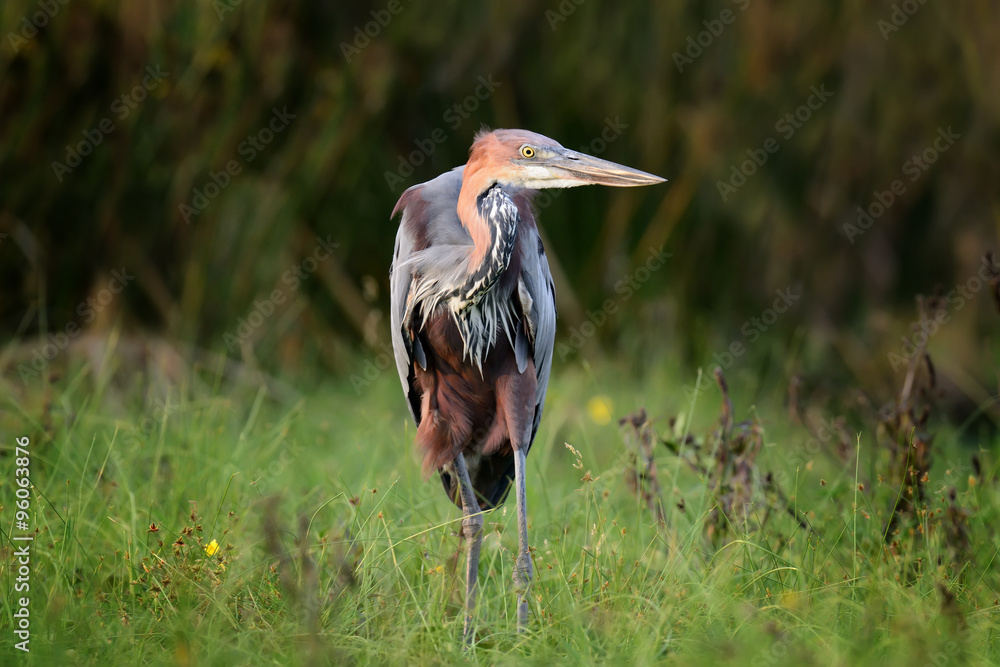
{"x": 537, "y": 294}
{"x": 429, "y": 219}
{"x": 405, "y": 345}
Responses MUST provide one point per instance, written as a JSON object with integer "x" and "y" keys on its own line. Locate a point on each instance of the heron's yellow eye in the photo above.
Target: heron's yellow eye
{"x": 527, "y": 151}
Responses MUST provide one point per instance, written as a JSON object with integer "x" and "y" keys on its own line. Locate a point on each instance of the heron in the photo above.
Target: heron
{"x": 473, "y": 317}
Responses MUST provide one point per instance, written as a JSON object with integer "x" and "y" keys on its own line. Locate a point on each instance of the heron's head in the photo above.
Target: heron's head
{"x": 523, "y": 159}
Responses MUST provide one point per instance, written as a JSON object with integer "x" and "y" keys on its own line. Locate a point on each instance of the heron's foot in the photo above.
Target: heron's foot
{"x": 523, "y": 574}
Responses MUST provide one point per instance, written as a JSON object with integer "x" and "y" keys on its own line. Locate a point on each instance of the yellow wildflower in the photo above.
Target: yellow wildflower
{"x": 599, "y": 409}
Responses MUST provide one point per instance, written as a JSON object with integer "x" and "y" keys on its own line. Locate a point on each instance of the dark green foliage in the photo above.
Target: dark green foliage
{"x": 611, "y": 79}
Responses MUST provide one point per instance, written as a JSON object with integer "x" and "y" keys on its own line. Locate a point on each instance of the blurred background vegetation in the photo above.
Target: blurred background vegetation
{"x": 182, "y": 95}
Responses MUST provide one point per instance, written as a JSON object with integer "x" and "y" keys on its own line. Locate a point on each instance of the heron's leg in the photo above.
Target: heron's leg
{"x": 522, "y": 568}
{"x": 472, "y": 528}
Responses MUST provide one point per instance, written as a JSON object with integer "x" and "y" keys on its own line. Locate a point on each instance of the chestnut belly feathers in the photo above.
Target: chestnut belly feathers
{"x": 463, "y": 410}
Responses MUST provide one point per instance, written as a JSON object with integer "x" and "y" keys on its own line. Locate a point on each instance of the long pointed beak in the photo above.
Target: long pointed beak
{"x": 593, "y": 170}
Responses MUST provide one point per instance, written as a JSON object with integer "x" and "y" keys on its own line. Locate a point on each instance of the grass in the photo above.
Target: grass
{"x": 333, "y": 550}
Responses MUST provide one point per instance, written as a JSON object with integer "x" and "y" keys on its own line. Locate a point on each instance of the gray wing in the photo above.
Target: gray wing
{"x": 428, "y": 209}
{"x": 537, "y": 337}
{"x": 405, "y": 346}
